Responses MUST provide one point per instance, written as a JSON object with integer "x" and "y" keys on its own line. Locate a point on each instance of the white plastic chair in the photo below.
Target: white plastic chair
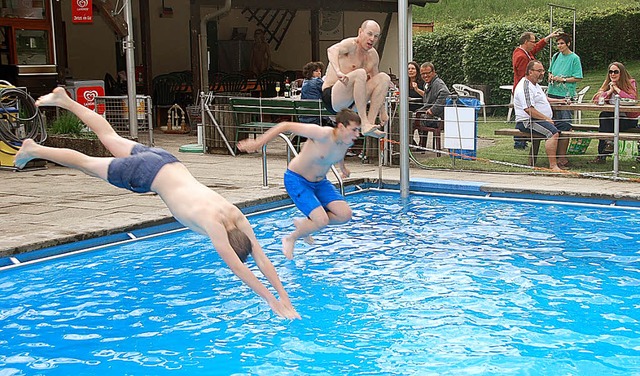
{"x": 466, "y": 91}
{"x": 581, "y": 94}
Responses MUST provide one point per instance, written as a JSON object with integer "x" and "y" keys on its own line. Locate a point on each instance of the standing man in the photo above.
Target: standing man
{"x": 435, "y": 97}
{"x": 521, "y": 56}
{"x": 353, "y": 77}
{"x": 534, "y": 114}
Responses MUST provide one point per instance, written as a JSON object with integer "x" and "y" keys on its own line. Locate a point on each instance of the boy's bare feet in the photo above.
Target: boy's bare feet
{"x": 288, "y": 243}
{"x": 24, "y": 155}
{"x": 57, "y": 98}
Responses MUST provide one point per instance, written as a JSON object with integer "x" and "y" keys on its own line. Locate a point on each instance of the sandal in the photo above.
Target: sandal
{"x": 599, "y": 160}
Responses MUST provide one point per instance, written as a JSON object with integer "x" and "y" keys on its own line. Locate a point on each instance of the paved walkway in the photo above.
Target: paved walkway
{"x": 58, "y": 205}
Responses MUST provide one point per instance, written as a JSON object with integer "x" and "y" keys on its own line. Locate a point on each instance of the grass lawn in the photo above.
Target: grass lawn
{"x": 500, "y": 148}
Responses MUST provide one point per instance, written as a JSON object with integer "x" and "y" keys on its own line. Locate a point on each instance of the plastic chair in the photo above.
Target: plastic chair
{"x": 466, "y": 91}
{"x": 581, "y": 94}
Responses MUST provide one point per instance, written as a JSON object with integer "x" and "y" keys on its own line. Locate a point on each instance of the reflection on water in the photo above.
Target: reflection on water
{"x": 434, "y": 286}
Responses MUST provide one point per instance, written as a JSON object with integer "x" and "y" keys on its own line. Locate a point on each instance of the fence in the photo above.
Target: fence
{"x": 116, "y": 110}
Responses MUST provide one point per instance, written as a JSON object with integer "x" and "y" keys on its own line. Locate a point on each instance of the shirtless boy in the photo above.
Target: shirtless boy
{"x": 306, "y": 177}
{"x": 353, "y": 77}
{"x": 142, "y": 169}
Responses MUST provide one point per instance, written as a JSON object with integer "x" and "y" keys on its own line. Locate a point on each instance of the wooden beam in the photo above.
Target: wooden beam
{"x": 196, "y": 63}
{"x": 115, "y": 21}
{"x": 60, "y": 41}
{"x": 377, "y": 6}
{"x": 384, "y": 34}
{"x": 145, "y": 45}
{"x": 315, "y": 35}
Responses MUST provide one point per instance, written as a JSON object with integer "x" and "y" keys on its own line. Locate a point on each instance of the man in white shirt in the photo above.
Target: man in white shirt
{"x": 534, "y": 114}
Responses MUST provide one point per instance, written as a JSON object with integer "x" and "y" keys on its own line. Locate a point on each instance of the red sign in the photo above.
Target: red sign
{"x": 86, "y": 95}
{"x": 81, "y": 11}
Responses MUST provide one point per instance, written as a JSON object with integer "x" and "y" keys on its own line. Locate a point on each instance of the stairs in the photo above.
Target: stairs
{"x": 274, "y": 22}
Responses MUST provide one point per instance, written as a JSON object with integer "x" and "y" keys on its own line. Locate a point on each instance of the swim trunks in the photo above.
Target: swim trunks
{"x": 326, "y": 99}
{"x": 137, "y": 171}
{"x": 307, "y": 195}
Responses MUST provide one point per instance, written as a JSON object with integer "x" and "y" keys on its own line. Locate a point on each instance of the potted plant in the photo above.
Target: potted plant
{"x": 67, "y": 131}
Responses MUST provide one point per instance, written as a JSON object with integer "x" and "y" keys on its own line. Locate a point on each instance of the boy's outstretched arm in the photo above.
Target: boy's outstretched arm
{"x": 218, "y": 236}
{"x": 267, "y": 268}
{"x": 311, "y": 131}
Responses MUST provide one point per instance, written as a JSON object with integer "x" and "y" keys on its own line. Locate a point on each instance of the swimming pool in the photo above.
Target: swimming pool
{"x": 431, "y": 285}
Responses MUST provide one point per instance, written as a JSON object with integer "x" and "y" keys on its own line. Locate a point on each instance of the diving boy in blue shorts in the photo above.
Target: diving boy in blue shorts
{"x": 143, "y": 169}
{"x": 306, "y": 177}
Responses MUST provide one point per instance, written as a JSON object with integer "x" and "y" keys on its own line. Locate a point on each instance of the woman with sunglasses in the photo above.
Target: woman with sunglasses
{"x": 618, "y": 82}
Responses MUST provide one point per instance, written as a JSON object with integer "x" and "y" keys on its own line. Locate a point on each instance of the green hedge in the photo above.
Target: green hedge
{"x": 479, "y": 52}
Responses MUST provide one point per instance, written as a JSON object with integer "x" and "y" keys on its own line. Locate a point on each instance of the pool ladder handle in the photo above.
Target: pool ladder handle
{"x": 291, "y": 149}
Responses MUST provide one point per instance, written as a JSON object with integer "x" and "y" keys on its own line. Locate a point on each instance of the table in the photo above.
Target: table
{"x": 603, "y": 107}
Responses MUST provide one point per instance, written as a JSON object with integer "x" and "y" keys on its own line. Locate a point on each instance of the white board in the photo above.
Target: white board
{"x": 459, "y": 128}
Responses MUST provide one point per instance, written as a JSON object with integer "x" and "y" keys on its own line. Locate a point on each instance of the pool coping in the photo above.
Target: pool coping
{"x": 73, "y": 243}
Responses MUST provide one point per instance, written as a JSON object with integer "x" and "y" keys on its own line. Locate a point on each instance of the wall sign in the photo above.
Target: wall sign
{"x": 81, "y": 11}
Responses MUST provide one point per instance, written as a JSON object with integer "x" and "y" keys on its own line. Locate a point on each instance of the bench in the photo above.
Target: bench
{"x": 260, "y": 110}
{"x": 627, "y": 135}
{"x": 272, "y": 108}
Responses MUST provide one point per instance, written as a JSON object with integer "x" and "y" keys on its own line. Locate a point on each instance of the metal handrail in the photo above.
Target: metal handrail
{"x": 291, "y": 149}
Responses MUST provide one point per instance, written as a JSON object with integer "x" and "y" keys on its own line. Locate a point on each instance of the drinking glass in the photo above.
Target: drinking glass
{"x": 277, "y": 89}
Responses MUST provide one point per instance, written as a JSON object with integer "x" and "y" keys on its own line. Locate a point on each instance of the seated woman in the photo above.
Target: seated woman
{"x": 416, "y": 86}
{"x": 312, "y": 89}
{"x": 618, "y": 82}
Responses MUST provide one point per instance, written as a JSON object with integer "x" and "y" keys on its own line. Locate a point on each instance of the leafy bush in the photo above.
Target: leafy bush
{"x": 478, "y": 52}
{"x": 68, "y": 124}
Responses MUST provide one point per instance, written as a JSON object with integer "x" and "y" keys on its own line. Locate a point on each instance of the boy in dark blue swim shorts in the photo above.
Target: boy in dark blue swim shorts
{"x": 142, "y": 169}
{"x": 306, "y": 176}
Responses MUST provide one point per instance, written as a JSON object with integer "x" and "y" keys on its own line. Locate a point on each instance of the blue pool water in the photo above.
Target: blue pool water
{"x": 430, "y": 286}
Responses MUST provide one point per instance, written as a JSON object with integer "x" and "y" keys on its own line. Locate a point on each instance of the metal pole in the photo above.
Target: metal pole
{"x": 616, "y": 134}
{"x": 403, "y": 7}
{"x": 131, "y": 73}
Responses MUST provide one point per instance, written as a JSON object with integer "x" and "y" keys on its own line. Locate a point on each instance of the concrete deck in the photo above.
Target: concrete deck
{"x": 59, "y": 205}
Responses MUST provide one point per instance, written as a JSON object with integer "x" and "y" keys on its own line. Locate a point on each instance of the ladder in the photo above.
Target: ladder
{"x": 275, "y": 22}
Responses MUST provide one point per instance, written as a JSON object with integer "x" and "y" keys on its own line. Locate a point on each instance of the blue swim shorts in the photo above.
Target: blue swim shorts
{"x": 137, "y": 171}
{"x": 309, "y": 195}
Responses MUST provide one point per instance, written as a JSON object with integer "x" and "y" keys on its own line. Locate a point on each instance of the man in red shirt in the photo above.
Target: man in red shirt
{"x": 522, "y": 55}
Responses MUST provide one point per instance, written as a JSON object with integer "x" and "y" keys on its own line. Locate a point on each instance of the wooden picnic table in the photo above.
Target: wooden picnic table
{"x": 594, "y": 107}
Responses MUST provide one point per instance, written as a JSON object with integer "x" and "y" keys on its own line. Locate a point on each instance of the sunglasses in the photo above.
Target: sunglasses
{"x": 614, "y": 71}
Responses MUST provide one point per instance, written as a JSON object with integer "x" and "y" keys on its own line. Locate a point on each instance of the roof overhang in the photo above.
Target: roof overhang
{"x": 382, "y": 6}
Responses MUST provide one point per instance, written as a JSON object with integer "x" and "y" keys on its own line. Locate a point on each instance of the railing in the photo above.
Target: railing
{"x": 291, "y": 149}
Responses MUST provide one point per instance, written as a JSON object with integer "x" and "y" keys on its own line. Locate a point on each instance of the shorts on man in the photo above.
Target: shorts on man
{"x": 542, "y": 127}
{"x": 137, "y": 171}
{"x": 326, "y": 99}
{"x": 307, "y": 195}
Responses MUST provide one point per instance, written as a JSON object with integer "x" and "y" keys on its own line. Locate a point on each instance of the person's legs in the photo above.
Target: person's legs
{"x": 91, "y": 166}
{"x": 316, "y": 220}
{"x": 377, "y": 89}
{"x": 551, "y": 144}
{"x": 551, "y": 147}
{"x": 354, "y": 91}
{"x": 118, "y": 146}
{"x": 605, "y": 126}
{"x": 563, "y": 143}
{"x": 339, "y": 212}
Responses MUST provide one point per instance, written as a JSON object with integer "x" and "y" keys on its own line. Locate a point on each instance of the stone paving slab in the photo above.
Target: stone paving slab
{"x": 57, "y": 205}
